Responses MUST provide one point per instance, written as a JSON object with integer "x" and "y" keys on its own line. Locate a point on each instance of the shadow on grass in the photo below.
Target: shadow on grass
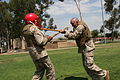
{"x": 75, "y": 78}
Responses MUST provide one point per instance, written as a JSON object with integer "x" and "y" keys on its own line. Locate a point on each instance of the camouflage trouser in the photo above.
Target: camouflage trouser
{"x": 91, "y": 68}
{"x": 42, "y": 65}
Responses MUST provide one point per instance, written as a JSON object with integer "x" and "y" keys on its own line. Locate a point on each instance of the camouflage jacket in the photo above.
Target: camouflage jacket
{"x": 35, "y": 40}
{"x": 82, "y": 36}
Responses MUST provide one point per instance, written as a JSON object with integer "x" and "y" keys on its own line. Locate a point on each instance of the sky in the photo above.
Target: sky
{"x": 62, "y": 12}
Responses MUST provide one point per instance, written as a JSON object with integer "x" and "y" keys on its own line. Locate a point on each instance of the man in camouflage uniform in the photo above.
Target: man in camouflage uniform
{"x": 81, "y": 34}
{"x": 36, "y": 41}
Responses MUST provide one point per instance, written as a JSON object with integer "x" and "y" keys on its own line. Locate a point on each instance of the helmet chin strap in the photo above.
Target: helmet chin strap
{"x": 34, "y": 24}
{"x": 31, "y": 22}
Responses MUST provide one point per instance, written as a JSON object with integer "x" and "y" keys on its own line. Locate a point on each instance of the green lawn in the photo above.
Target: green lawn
{"x": 67, "y": 62}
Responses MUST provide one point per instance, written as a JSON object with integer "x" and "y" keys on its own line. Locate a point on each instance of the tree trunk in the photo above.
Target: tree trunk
{"x": 112, "y": 36}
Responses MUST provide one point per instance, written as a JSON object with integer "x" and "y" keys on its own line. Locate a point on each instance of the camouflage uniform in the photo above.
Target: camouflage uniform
{"x": 36, "y": 41}
{"x": 85, "y": 44}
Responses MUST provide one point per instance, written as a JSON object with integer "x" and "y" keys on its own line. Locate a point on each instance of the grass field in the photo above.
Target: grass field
{"x": 67, "y": 62}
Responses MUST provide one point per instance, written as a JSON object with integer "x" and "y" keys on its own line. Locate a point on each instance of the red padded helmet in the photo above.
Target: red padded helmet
{"x": 32, "y": 18}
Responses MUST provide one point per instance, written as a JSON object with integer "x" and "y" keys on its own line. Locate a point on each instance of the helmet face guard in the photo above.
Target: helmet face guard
{"x": 38, "y": 22}
{"x": 32, "y": 18}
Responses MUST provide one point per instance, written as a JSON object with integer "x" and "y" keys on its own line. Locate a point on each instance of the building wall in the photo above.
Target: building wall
{"x": 21, "y": 44}
{"x": 51, "y": 45}
{"x": 71, "y": 43}
{"x": 60, "y": 44}
{"x": 17, "y": 43}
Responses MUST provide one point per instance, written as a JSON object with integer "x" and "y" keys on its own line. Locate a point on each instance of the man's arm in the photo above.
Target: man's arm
{"x": 75, "y": 34}
{"x": 40, "y": 38}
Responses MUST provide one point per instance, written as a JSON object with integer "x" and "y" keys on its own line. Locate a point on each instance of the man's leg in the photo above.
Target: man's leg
{"x": 50, "y": 71}
{"x": 92, "y": 69}
{"x": 38, "y": 75}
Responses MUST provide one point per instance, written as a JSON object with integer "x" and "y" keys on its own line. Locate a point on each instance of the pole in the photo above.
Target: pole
{"x": 66, "y": 28}
{"x": 49, "y": 29}
{"x": 78, "y": 6}
{"x": 103, "y": 20}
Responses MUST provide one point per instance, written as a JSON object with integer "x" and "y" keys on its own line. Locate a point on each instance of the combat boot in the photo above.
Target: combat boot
{"x": 107, "y": 77}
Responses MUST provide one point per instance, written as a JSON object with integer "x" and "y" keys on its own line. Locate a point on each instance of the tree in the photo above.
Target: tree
{"x": 113, "y": 23}
{"x": 13, "y": 12}
{"x": 28, "y": 6}
{"x": 95, "y": 33}
{"x": 50, "y": 24}
{"x": 61, "y": 0}
{"x": 5, "y": 22}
